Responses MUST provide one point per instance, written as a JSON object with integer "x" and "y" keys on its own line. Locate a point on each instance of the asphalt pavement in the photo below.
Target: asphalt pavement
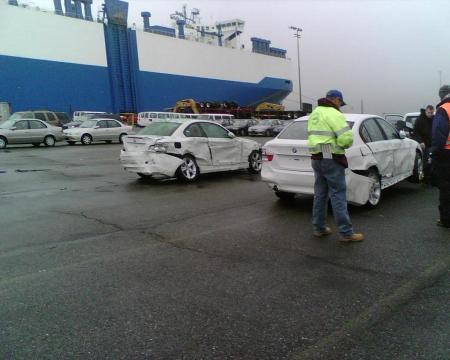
{"x": 96, "y": 263}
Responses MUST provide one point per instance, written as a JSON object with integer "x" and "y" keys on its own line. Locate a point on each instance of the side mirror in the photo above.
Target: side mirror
{"x": 402, "y": 134}
{"x": 231, "y": 135}
{"x": 13, "y": 128}
{"x": 96, "y": 127}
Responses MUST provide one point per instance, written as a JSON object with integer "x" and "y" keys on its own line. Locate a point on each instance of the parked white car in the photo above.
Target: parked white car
{"x": 29, "y": 131}
{"x": 187, "y": 148}
{"x": 97, "y": 130}
{"x": 379, "y": 157}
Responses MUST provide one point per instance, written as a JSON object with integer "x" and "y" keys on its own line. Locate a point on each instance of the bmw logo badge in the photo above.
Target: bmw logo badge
{"x": 294, "y": 150}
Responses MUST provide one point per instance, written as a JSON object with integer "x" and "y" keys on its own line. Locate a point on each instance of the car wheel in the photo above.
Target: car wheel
{"x": 375, "y": 190}
{"x": 418, "y": 174}
{"x": 108, "y": 141}
{"x": 86, "y": 139}
{"x": 283, "y": 195}
{"x": 268, "y": 133}
{"x": 3, "y": 142}
{"x": 121, "y": 138}
{"x": 36, "y": 144}
{"x": 71, "y": 142}
{"x": 243, "y": 132}
{"x": 49, "y": 141}
{"x": 188, "y": 170}
{"x": 255, "y": 162}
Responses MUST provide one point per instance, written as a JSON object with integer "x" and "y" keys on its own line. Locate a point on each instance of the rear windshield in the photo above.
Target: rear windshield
{"x": 298, "y": 130}
{"x": 160, "y": 128}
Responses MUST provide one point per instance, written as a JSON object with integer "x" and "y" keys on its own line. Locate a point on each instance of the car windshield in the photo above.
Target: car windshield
{"x": 298, "y": 130}
{"x": 88, "y": 124}
{"x": 266, "y": 122}
{"x": 7, "y": 124}
{"x": 411, "y": 119}
{"x": 160, "y": 128}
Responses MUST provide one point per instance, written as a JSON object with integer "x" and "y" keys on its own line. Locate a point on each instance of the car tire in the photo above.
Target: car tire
{"x": 71, "y": 142}
{"x": 86, "y": 139}
{"x": 268, "y": 133}
{"x": 121, "y": 137}
{"x": 375, "y": 190}
{"x": 255, "y": 162}
{"x": 144, "y": 176}
{"x": 417, "y": 175}
{"x": 3, "y": 142}
{"x": 242, "y": 132}
{"x": 284, "y": 195}
{"x": 188, "y": 171}
{"x": 49, "y": 141}
{"x": 36, "y": 144}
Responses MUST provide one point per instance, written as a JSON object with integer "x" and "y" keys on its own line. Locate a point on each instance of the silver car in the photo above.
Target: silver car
{"x": 98, "y": 130}
{"x": 29, "y": 131}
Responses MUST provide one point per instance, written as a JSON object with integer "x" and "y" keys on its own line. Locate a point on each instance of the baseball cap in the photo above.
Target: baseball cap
{"x": 336, "y": 94}
{"x": 444, "y": 91}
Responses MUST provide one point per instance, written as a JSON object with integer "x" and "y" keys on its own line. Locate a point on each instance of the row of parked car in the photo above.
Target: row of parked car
{"x": 18, "y": 130}
{"x": 255, "y": 127}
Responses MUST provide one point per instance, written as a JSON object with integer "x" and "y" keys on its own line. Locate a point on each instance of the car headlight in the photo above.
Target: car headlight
{"x": 161, "y": 148}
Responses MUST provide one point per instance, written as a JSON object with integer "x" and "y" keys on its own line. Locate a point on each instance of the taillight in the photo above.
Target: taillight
{"x": 266, "y": 156}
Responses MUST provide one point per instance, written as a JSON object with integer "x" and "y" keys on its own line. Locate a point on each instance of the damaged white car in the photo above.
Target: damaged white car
{"x": 184, "y": 149}
{"x": 379, "y": 157}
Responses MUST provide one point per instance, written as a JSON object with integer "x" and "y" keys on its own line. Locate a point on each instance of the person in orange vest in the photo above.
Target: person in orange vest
{"x": 440, "y": 150}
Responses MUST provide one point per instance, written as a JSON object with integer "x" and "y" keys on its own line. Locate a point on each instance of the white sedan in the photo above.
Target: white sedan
{"x": 379, "y": 157}
{"x": 187, "y": 148}
{"x": 97, "y": 130}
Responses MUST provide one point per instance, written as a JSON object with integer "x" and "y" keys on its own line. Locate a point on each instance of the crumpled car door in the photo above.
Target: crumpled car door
{"x": 224, "y": 150}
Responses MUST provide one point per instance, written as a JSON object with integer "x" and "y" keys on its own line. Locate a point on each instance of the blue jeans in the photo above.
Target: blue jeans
{"x": 330, "y": 184}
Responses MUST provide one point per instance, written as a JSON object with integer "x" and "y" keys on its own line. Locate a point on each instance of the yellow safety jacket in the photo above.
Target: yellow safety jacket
{"x": 328, "y": 129}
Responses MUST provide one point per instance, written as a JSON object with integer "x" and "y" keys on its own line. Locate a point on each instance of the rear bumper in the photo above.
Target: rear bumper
{"x": 358, "y": 186}
{"x": 152, "y": 164}
{"x": 289, "y": 181}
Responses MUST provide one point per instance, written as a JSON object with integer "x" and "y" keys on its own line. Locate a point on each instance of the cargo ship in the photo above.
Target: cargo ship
{"x": 65, "y": 60}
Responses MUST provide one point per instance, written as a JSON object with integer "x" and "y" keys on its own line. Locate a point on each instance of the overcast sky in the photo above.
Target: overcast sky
{"x": 386, "y": 52}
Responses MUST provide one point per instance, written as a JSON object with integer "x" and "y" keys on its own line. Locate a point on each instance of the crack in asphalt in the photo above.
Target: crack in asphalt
{"x": 100, "y": 221}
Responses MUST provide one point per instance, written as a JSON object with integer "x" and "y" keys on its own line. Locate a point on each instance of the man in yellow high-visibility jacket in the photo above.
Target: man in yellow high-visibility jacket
{"x": 328, "y": 137}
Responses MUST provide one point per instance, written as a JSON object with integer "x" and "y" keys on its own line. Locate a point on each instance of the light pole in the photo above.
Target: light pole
{"x": 297, "y": 35}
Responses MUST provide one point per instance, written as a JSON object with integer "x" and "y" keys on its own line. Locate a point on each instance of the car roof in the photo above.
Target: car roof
{"x": 355, "y": 118}
{"x": 412, "y": 114}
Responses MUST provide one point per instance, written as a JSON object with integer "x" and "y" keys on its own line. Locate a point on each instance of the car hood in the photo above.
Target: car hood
{"x": 260, "y": 127}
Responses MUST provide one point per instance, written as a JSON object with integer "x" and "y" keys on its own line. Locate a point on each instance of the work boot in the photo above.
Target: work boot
{"x": 321, "y": 233}
{"x": 352, "y": 238}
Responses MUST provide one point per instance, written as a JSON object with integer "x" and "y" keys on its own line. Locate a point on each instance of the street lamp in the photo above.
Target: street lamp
{"x": 297, "y": 35}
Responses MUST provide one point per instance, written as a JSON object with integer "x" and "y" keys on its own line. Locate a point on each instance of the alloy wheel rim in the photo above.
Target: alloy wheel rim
{"x": 256, "y": 161}
{"x": 420, "y": 172}
{"x": 189, "y": 169}
{"x": 50, "y": 141}
{"x": 2, "y": 143}
{"x": 86, "y": 139}
{"x": 375, "y": 191}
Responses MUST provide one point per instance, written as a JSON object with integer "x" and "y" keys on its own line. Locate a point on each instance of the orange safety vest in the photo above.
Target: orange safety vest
{"x": 446, "y": 108}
